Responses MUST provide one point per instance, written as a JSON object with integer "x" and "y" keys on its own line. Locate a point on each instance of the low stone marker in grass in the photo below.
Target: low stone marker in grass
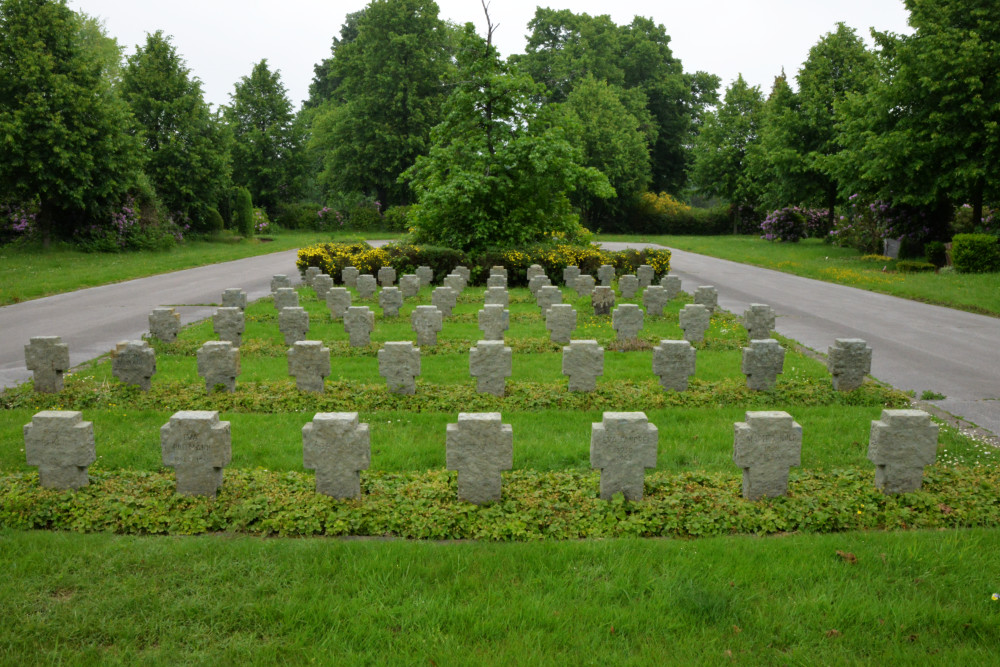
{"x": 645, "y": 274}
{"x": 278, "y": 281}
{"x": 499, "y": 271}
{"x": 338, "y": 448}
{"x": 560, "y": 320}
{"x": 763, "y": 361}
{"x": 582, "y": 363}
{"x": 547, "y": 296}
{"x": 425, "y": 274}
{"x": 758, "y": 320}
{"x": 322, "y": 284}
{"x": 61, "y": 444}
{"x": 197, "y": 446}
{"x": 234, "y": 297}
{"x": 386, "y": 276}
{"x": 902, "y": 442}
{"x": 497, "y": 280}
{"x": 622, "y": 446}
{"x": 849, "y": 361}
{"x": 309, "y": 364}
{"x": 654, "y": 298}
{"x": 359, "y": 322}
{"x": 399, "y": 364}
{"x": 493, "y": 320}
{"x": 426, "y": 321}
{"x": 496, "y": 295}
{"x": 766, "y": 445}
{"x": 464, "y": 272}
{"x": 707, "y": 296}
{"x": 570, "y": 274}
{"x": 455, "y": 281}
{"x": 391, "y": 300}
{"x": 219, "y": 364}
{"x": 490, "y": 363}
{"x": 694, "y": 320}
{"x": 445, "y": 299}
{"x": 674, "y": 363}
{"x": 584, "y": 285}
{"x": 627, "y": 322}
{"x": 229, "y": 324}
{"x": 285, "y": 297}
{"x": 134, "y": 362}
{"x": 534, "y": 271}
{"x": 479, "y": 447}
{"x": 672, "y": 284}
{"x": 603, "y": 300}
{"x": 293, "y": 323}
{"x": 165, "y": 324}
{"x": 537, "y": 283}
{"x": 606, "y": 274}
{"x": 409, "y": 285}
{"x": 366, "y": 286}
{"x": 310, "y": 275}
{"x": 338, "y": 300}
{"x": 47, "y": 357}
{"x": 349, "y": 276}
{"x": 628, "y": 285}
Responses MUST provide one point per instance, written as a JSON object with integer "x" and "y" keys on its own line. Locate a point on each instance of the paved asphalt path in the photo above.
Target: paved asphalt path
{"x": 915, "y": 346}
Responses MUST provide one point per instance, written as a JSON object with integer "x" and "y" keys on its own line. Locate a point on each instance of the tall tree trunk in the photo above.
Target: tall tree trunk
{"x": 831, "y": 203}
{"x": 45, "y": 220}
{"x": 977, "y": 201}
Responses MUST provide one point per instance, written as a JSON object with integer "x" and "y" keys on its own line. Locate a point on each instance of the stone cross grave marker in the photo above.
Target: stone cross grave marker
{"x": 349, "y": 276}
{"x": 560, "y": 320}
{"x": 849, "y": 361}
{"x": 293, "y": 323}
{"x": 674, "y": 363}
{"x": 537, "y": 282}
{"x": 165, "y": 324}
{"x": 497, "y": 280}
{"x": 534, "y": 271}
{"x": 359, "y": 322}
{"x": 409, "y": 285}
{"x": 603, "y": 300}
{"x": 234, "y": 297}
{"x": 479, "y": 447}
{"x": 285, "y": 297}
{"x": 338, "y": 448}
{"x": 425, "y": 274}
{"x": 338, "y": 300}
{"x": 399, "y": 364}
{"x": 584, "y": 284}
{"x": 278, "y": 281}
{"x": 582, "y": 363}
{"x": 645, "y": 274}
{"x": 455, "y": 281}
{"x": 134, "y": 362}
{"x": 763, "y": 361}
{"x": 547, "y": 296}
{"x": 606, "y": 274}
{"x": 229, "y": 324}
{"x": 694, "y": 320}
{"x": 499, "y": 271}
{"x": 494, "y": 320}
{"x": 197, "y": 446}
{"x": 765, "y": 446}
{"x": 628, "y": 285}
{"x": 366, "y": 286}
{"x": 758, "y": 320}
{"x": 48, "y": 358}
{"x": 309, "y": 364}
{"x": 386, "y": 276}
{"x": 622, "y": 446}
{"x": 901, "y": 443}
{"x": 391, "y": 300}
{"x": 570, "y": 274}
{"x": 61, "y": 444}
{"x": 219, "y": 364}
{"x": 426, "y": 321}
{"x": 627, "y": 321}
{"x": 310, "y": 275}
{"x": 496, "y": 295}
{"x": 322, "y": 284}
{"x": 445, "y": 299}
{"x": 490, "y": 364}
{"x": 654, "y": 298}
{"x": 672, "y": 285}
{"x": 707, "y": 296}
{"x": 464, "y": 272}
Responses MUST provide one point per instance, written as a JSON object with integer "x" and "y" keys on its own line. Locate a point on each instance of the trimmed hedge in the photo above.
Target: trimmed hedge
{"x": 975, "y": 253}
{"x": 909, "y": 266}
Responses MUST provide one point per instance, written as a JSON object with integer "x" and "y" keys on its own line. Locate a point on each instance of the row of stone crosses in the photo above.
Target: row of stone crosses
{"x": 479, "y": 447}
{"x": 490, "y": 361}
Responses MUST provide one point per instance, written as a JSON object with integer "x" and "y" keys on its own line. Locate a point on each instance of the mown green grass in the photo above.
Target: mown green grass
{"x": 811, "y": 258}
{"x": 30, "y": 272}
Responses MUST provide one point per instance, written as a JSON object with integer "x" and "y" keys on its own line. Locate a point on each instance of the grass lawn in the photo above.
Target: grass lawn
{"x": 31, "y": 272}
{"x": 832, "y": 582}
{"x": 811, "y": 258}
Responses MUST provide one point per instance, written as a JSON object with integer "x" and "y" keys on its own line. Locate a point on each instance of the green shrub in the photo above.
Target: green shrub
{"x": 935, "y": 253}
{"x": 785, "y": 224}
{"x": 975, "y": 253}
{"x": 243, "y": 213}
{"x": 215, "y": 222}
{"x": 395, "y": 218}
{"x": 662, "y": 214}
{"x": 910, "y": 266}
{"x": 365, "y": 216}
{"x": 297, "y": 216}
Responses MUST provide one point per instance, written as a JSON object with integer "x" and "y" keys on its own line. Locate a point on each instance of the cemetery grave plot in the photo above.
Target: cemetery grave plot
{"x": 551, "y": 490}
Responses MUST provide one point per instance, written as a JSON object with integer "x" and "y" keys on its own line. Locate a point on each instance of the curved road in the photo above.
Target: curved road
{"x": 916, "y": 346}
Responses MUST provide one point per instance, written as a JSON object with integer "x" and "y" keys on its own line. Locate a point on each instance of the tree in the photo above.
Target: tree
{"x": 267, "y": 142}
{"x": 65, "y": 139}
{"x": 186, "y": 157}
{"x": 387, "y": 71}
{"x": 721, "y": 166}
{"x": 928, "y": 133}
{"x": 776, "y": 158}
{"x": 494, "y": 176}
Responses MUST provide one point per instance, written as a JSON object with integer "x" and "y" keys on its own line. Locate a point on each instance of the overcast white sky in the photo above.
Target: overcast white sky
{"x": 221, "y": 40}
